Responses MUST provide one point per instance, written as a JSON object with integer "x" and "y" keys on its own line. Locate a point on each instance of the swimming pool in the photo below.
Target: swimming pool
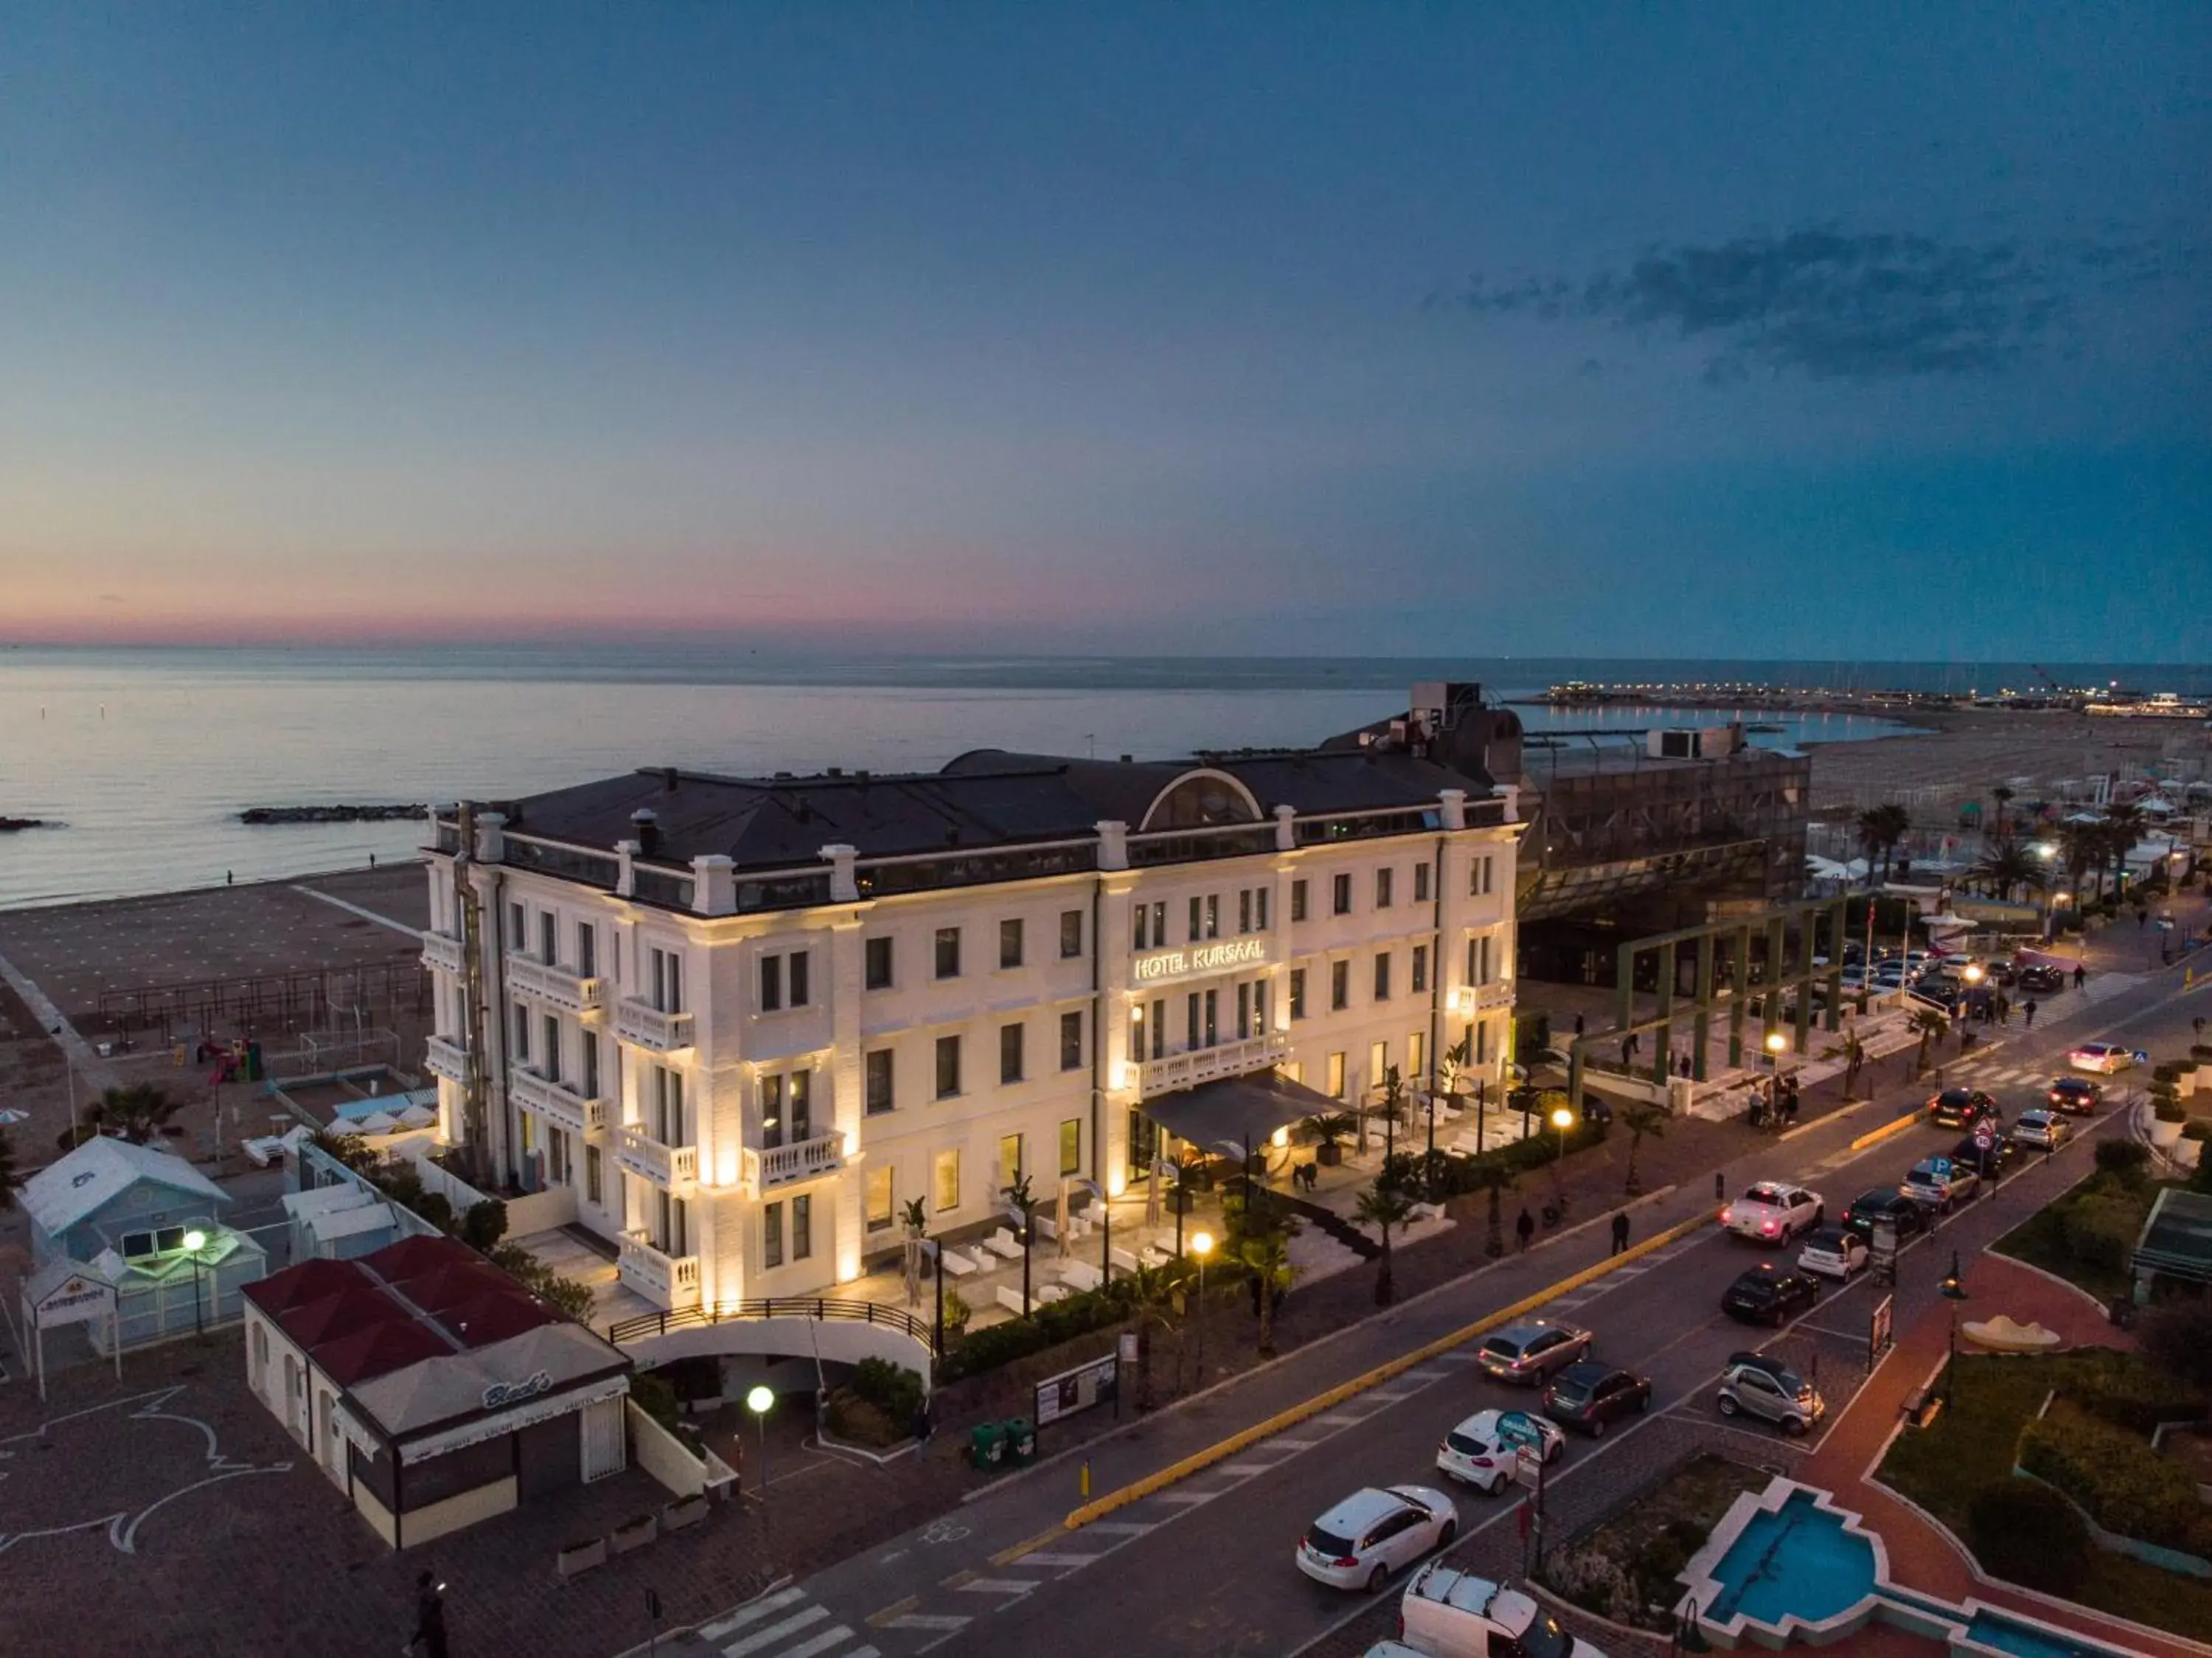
{"x": 2003, "y": 1634}
{"x": 1797, "y": 1561}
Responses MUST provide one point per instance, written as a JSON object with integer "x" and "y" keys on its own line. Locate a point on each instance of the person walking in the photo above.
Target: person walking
{"x": 429, "y": 1636}
{"x": 1578, "y": 1024}
{"x": 2081, "y": 975}
{"x": 2028, "y": 1012}
{"x": 1620, "y": 1232}
{"x": 1525, "y": 1228}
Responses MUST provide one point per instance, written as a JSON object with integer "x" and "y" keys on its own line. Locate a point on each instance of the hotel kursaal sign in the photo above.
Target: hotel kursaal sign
{"x": 1199, "y": 959}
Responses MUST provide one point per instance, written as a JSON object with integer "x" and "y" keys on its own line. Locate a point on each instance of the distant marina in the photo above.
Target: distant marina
{"x": 1735, "y": 696}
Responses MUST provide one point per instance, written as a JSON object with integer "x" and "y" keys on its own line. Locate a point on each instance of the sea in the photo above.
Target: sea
{"x": 144, "y": 757}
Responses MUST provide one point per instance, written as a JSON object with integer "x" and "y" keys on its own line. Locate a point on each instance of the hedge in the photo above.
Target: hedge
{"x": 2131, "y": 1394}
{"x": 2125, "y": 1485}
{"x": 1050, "y": 1323}
{"x": 2028, "y": 1534}
{"x": 2100, "y": 1228}
{"x": 1451, "y": 1174}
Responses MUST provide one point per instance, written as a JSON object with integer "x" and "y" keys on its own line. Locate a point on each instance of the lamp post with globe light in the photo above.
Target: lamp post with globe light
{"x": 196, "y": 1240}
{"x": 760, "y": 1399}
{"x": 1954, "y": 1291}
{"x": 1201, "y": 1244}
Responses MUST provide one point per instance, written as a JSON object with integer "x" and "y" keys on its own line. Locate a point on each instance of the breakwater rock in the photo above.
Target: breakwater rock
{"x": 329, "y": 814}
{"x": 9, "y": 825}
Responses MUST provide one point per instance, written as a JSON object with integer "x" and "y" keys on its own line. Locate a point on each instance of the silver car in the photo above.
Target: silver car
{"x": 1529, "y": 1353}
{"x": 2046, "y": 1129}
{"x": 1754, "y": 1384}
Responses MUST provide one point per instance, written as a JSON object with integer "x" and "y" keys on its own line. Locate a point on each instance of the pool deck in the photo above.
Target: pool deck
{"x": 1924, "y": 1556}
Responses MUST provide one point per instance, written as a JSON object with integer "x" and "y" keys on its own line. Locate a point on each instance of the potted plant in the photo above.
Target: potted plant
{"x": 2189, "y": 1150}
{"x": 2169, "y": 1120}
{"x": 1329, "y": 1130}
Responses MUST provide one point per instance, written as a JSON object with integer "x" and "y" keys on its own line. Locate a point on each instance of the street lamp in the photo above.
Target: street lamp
{"x": 195, "y": 1241}
{"x": 1563, "y": 1118}
{"x": 1953, "y": 1292}
{"x": 760, "y": 1399}
{"x": 1201, "y": 1244}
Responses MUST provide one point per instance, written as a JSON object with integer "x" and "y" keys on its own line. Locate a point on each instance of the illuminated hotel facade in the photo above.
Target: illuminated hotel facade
{"x": 743, "y": 1023}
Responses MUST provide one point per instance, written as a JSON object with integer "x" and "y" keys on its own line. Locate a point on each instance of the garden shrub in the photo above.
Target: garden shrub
{"x": 2126, "y": 1161}
{"x": 2170, "y": 1111}
{"x": 433, "y": 1207}
{"x": 863, "y": 1421}
{"x": 2136, "y": 1397}
{"x": 891, "y": 1388}
{"x": 2178, "y": 1338}
{"x": 483, "y": 1224}
{"x": 2126, "y": 1486}
{"x": 2100, "y": 1230}
{"x": 2028, "y": 1534}
{"x": 656, "y": 1399}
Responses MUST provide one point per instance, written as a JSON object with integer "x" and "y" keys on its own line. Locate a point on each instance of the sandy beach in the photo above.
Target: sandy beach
{"x": 1967, "y": 753}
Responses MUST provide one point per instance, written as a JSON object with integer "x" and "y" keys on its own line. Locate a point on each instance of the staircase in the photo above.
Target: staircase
{"x": 1335, "y": 1225}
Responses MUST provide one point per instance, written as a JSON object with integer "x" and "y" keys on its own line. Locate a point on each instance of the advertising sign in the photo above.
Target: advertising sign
{"x": 1878, "y": 1338}
{"x": 1063, "y": 1395}
{"x": 75, "y": 1300}
{"x": 1517, "y": 1431}
{"x": 1199, "y": 959}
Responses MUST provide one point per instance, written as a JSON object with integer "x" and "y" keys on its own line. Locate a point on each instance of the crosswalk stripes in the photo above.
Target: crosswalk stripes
{"x": 785, "y": 1624}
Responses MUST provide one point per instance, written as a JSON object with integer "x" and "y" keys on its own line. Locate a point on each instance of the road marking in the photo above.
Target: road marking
{"x": 820, "y": 1643}
{"x": 999, "y": 1585}
{"x": 1071, "y": 1562}
{"x": 888, "y": 1615}
{"x": 1295, "y": 1444}
{"x": 745, "y": 1615}
{"x": 1246, "y": 1469}
{"x": 1187, "y": 1499}
{"x": 1340, "y": 1419}
{"x": 1823, "y": 1330}
{"x": 1458, "y": 1357}
{"x": 760, "y": 1638}
{"x": 929, "y": 1620}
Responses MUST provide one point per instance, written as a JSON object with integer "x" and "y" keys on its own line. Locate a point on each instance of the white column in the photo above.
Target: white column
{"x": 1119, "y": 1069}
{"x": 847, "y": 1096}
{"x": 844, "y": 885}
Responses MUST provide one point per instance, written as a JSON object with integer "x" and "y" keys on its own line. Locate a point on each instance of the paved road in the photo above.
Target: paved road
{"x": 1205, "y": 1566}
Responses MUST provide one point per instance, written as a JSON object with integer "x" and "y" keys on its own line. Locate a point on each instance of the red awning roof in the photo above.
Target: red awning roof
{"x": 493, "y": 1318}
{"x": 377, "y": 1350}
{"x": 313, "y": 1323}
{"x": 310, "y": 1281}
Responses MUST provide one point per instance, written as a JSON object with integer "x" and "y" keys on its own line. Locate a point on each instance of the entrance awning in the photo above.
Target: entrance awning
{"x": 1234, "y": 1112}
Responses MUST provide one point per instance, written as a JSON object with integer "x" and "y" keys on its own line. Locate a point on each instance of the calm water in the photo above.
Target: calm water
{"x": 148, "y": 755}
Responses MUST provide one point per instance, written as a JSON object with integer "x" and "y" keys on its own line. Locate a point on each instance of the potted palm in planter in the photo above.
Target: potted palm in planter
{"x": 1329, "y": 1130}
{"x": 2169, "y": 1119}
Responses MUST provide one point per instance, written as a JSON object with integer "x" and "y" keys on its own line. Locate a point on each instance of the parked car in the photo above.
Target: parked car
{"x": 1532, "y": 1351}
{"x": 1592, "y": 1395}
{"x": 2101, "y": 1058}
{"x": 1754, "y": 1384}
{"x": 2045, "y": 1130}
{"x": 1937, "y": 1182}
{"x": 1834, "y": 1252}
{"x": 1992, "y": 1163}
{"x": 1962, "y": 1108}
{"x": 1910, "y": 1218}
{"x": 1448, "y": 1613}
{"x": 1373, "y": 1533}
{"x": 2000, "y": 971}
{"x": 2080, "y": 1096}
{"x": 1474, "y": 1452}
{"x": 2042, "y": 979}
{"x": 1769, "y": 1294}
{"x": 1773, "y": 1211}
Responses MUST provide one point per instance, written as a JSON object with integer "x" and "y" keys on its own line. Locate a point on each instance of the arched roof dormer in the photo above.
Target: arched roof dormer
{"x": 1200, "y": 799}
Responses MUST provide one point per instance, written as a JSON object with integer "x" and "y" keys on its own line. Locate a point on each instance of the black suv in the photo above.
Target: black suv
{"x": 2078, "y": 1096}
{"x": 2042, "y": 978}
{"x": 1769, "y": 1294}
{"x": 1962, "y": 1108}
{"x": 1912, "y": 1219}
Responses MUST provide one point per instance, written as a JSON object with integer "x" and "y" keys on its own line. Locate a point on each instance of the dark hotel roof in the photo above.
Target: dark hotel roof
{"x": 984, "y": 798}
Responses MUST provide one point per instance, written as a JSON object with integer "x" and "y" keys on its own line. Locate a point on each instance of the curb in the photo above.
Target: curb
{"x": 1381, "y": 1315}
{"x": 1244, "y": 1438}
{"x": 1875, "y": 1137}
{"x": 1557, "y": 1602}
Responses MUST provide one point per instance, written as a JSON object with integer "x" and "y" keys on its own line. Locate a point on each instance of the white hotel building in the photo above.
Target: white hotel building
{"x": 743, "y": 1023}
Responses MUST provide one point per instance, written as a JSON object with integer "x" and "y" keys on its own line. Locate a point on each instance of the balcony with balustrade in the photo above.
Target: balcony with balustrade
{"x": 804, "y": 1160}
{"x": 558, "y": 1104}
{"x": 666, "y": 1281}
{"x": 1496, "y": 994}
{"x": 444, "y": 1056}
{"x": 441, "y": 951}
{"x": 674, "y": 1169}
{"x": 1183, "y": 1070}
{"x": 555, "y": 985}
{"x": 643, "y": 1026}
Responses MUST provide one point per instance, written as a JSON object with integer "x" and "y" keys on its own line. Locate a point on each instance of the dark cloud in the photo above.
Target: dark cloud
{"x": 1836, "y": 305}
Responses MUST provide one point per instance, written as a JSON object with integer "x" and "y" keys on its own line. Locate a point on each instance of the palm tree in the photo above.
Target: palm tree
{"x": 2005, "y": 864}
{"x": 1491, "y": 1175}
{"x": 9, "y": 1180}
{"x": 1328, "y": 1128}
{"x": 1384, "y": 1205}
{"x": 2124, "y": 828}
{"x": 2003, "y": 796}
{"x": 1880, "y": 828}
{"x": 2082, "y": 847}
{"x": 914, "y": 1219}
{"x": 1149, "y": 1293}
{"x": 1640, "y": 1119}
{"x": 1025, "y": 1205}
{"x": 1931, "y": 1023}
{"x": 1259, "y": 1237}
{"x": 137, "y": 1113}
{"x": 1870, "y": 828}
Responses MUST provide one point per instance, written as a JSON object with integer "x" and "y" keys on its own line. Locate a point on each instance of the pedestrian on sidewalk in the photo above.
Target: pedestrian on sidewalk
{"x": 1789, "y": 1105}
{"x": 1578, "y": 1024}
{"x": 429, "y": 1636}
{"x": 1620, "y": 1232}
{"x": 2081, "y": 975}
{"x": 2197, "y": 1025}
{"x": 2027, "y": 1011}
{"x": 1525, "y": 1228}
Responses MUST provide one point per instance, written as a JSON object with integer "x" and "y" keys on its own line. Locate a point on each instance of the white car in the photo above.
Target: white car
{"x": 1833, "y": 1251}
{"x": 1773, "y": 1212}
{"x": 2102, "y": 1057}
{"x": 1372, "y": 1533}
{"x": 1455, "y": 1614}
{"x": 2046, "y": 1129}
{"x": 1474, "y": 1453}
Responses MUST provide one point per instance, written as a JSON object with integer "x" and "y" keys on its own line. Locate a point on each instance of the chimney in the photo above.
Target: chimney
{"x": 837, "y": 771}
{"x": 844, "y": 886}
{"x": 860, "y": 780}
{"x": 668, "y": 776}
{"x": 647, "y": 824}
{"x": 1112, "y": 843}
{"x": 1126, "y": 759}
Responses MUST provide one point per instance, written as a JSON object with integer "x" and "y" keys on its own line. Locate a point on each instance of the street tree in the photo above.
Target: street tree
{"x": 1023, "y": 1203}
{"x": 1639, "y": 1119}
{"x": 1491, "y": 1175}
{"x": 1385, "y": 1206}
{"x": 1260, "y": 1236}
{"x": 137, "y": 1113}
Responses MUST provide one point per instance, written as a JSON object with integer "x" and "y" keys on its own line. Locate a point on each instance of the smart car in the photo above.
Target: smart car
{"x": 1834, "y": 1252}
{"x": 1754, "y": 1385}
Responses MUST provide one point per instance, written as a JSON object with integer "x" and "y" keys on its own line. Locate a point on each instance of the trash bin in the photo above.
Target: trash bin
{"x": 1021, "y": 1440}
{"x": 987, "y": 1445}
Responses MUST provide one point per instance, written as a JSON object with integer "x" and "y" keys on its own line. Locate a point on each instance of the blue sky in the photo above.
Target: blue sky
{"x": 1361, "y": 328}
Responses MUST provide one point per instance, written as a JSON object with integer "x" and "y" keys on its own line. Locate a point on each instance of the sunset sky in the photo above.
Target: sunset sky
{"x": 1877, "y": 330}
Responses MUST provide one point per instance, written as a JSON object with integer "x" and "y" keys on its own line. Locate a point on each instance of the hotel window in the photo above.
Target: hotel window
{"x": 1383, "y": 976}
{"x": 666, "y": 1102}
{"x": 948, "y": 1066}
{"x": 1417, "y": 1050}
{"x": 591, "y": 1064}
{"x": 1140, "y": 928}
{"x": 1071, "y": 1145}
{"x": 549, "y": 941}
{"x": 1479, "y": 874}
{"x": 1070, "y": 934}
{"x": 878, "y": 1212}
{"x": 1481, "y": 1042}
{"x": 522, "y": 1033}
{"x": 1197, "y": 919}
{"x": 1244, "y": 909}
{"x": 1421, "y": 881}
{"x": 771, "y": 1109}
{"x": 879, "y": 1064}
{"x": 664, "y": 979}
{"x": 1070, "y": 1041}
{"x": 1213, "y": 915}
{"x": 1384, "y": 883}
{"x": 674, "y": 1236}
{"x": 772, "y": 1235}
{"x": 1260, "y": 1004}
{"x": 1298, "y": 900}
{"x": 1244, "y": 1011}
{"x": 948, "y": 953}
{"x": 1260, "y": 909}
{"x": 529, "y": 1132}
{"x": 593, "y": 1175}
{"x": 771, "y": 981}
{"x": 1213, "y": 1017}
{"x": 1160, "y": 1017}
{"x": 1339, "y": 986}
{"x": 1190, "y": 1020}
{"x": 1477, "y": 960}
{"x": 797, "y": 976}
{"x": 800, "y": 1098}
{"x": 948, "y": 1181}
{"x": 518, "y": 928}
{"x": 1340, "y": 894}
{"x": 587, "y": 950}
{"x": 549, "y": 1064}
{"x": 802, "y": 1227}
{"x": 1010, "y": 1160}
{"x": 1009, "y": 943}
{"x": 1419, "y": 984}
{"x": 1297, "y": 993}
{"x": 1378, "y": 1063}
{"x": 877, "y": 972}
{"x": 1009, "y": 1054}
{"x": 784, "y": 981}
{"x": 1336, "y": 1076}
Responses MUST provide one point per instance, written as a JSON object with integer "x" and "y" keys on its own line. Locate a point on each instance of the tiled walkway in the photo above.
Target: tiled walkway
{"x": 1921, "y": 1556}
